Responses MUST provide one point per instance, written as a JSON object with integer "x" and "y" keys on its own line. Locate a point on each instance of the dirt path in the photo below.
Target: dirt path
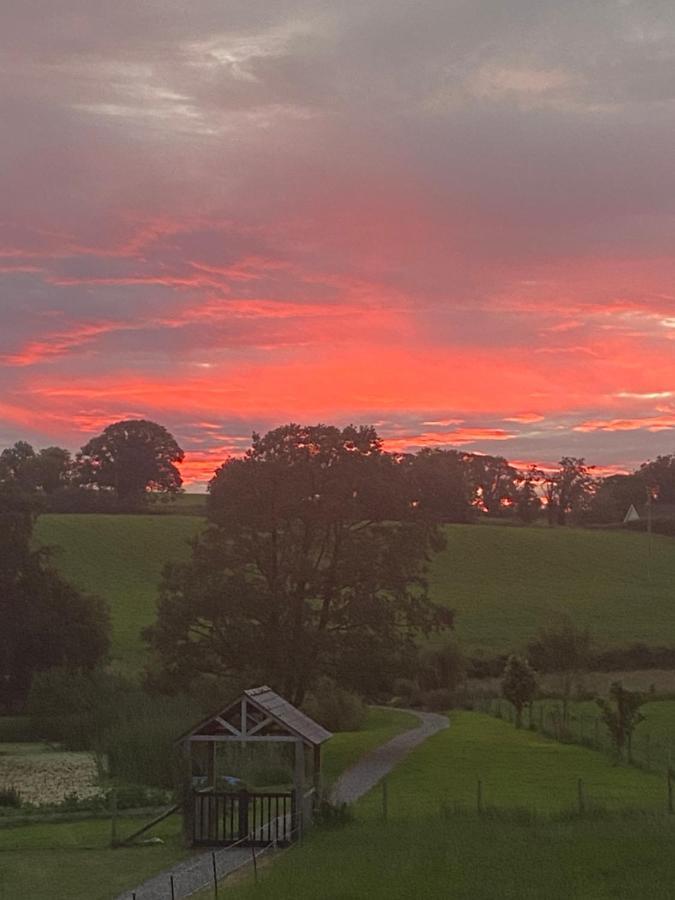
{"x": 197, "y": 872}
{"x": 366, "y": 773}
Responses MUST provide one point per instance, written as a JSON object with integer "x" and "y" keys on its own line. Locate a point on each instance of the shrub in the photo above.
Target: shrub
{"x": 332, "y": 815}
{"x": 10, "y": 797}
{"x": 439, "y": 699}
{"x": 335, "y": 708}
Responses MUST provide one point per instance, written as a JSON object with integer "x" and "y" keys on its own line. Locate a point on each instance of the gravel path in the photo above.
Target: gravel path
{"x": 197, "y": 872}
{"x": 366, "y": 773}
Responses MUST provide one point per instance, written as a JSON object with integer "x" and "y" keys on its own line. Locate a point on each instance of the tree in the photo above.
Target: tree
{"x": 658, "y": 476}
{"x": 132, "y": 458}
{"x": 493, "y": 481}
{"x": 615, "y": 495}
{"x": 314, "y": 564}
{"x": 568, "y": 490}
{"x": 621, "y": 718}
{"x": 565, "y": 653}
{"x": 519, "y": 685}
{"x": 440, "y": 484}
{"x": 527, "y": 500}
{"x": 45, "y": 621}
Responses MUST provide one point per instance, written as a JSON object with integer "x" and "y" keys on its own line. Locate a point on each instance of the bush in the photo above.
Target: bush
{"x": 438, "y": 700}
{"x": 335, "y": 708}
{"x": 332, "y": 815}
{"x": 10, "y": 797}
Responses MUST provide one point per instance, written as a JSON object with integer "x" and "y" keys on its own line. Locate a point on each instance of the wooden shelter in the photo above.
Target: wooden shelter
{"x": 259, "y": 715}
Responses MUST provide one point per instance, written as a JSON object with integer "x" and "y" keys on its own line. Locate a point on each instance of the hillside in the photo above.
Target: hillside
{"x": 504, "y": 583}
{"x": 121, "y": 558}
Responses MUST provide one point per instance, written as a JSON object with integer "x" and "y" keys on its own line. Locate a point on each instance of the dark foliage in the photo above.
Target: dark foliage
{"x": 131, "y": 458}
{"x": 314, "y": 565}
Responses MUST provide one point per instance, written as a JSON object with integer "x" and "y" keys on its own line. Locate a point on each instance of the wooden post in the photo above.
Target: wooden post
{"x": 316, "y": 775}
{"x": 669, "y": 782}
{"x": 173, "y": 889}
{"x": 255, "y": 864}
{"x": 597, "y": 731}
{"x": 215, "y": 875}
{"x": 213, "y": 746}
{"x": 479, "y": 796}
{"x": 385, "y": 800}
{"x": 541, "y": 717}
{"x": 113, "y": 818}
{"x": 188, "y": 796}
{"x": 580, "y": 795}
{"x": 648, "y": 752}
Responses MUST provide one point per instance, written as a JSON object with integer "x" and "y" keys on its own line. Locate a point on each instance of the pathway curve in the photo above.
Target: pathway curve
{"x": 197, "y": 871}
{"x": 370, "y": 769}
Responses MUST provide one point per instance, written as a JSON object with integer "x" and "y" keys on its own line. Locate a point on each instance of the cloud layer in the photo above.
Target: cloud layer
{"x": 453, "y": 219}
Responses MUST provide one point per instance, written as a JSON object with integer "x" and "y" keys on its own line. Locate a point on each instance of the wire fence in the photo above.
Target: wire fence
{"x": 211, "y": 869}
{"x": 644, "y": 750}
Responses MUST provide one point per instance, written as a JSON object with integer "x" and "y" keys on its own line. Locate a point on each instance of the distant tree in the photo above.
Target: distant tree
{"x": 621, "y": 716}
{"x": 314, "y": 564}
{"x": 132, "y": 458}
{"x": 568, "y": 490}
{"x": 658, "y": 476}
{"x": 440, "y": 484}
{"x": 564, "y": 652}
{"x": 519, "y": 685}
{"x": 615, "y": 495}
{"x": 45, "y": 471}
{"x": 494, "y": 483}
{"x": 45, "y": 621}
{"x": 527, "y": 500}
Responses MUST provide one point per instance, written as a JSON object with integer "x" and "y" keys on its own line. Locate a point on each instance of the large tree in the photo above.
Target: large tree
{"x": 568, "y": 490}
{"x": 564, "y": 652}
{"x": 494, "y": 482}
{"x": 44, "y": 621}
{"x": 132, "y": 458}
{"x": 440, "y": 484}
{"x": 314, "y": 564}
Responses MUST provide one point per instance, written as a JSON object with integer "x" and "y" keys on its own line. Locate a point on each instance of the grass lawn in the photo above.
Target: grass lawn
{"x": 73, "y": 861}
{"x": 121, "y": 558}
{"x": 421, "y": 852}
{"x": 504, "y": 583}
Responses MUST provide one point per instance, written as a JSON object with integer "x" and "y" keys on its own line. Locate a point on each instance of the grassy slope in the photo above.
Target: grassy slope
{"x": 74, "y": 861}
{"x": 121, "y": 558}
{"x": 419, "y": 853}
{"x": 505, "y": 583}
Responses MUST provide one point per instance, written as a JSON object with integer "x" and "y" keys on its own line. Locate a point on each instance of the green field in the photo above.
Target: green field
{"x": 73, "y": 861}
{"x": 504, "y": 583}
{"x": 121, "y": 558}
{"x": 428, "y": 848}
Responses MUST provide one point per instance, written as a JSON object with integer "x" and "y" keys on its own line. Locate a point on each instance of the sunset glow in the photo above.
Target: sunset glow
{"x": 452, "y": 221}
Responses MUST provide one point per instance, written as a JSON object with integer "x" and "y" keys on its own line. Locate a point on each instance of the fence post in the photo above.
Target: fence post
{"x": 113, "y": 819}
{"x": 541, "y": 717}
{"x": 173, "y": 890}
{"x": 479, "y": 796}
{"x": 648, "y": 752}
{"x": 255, "y": 864}
{"x": 669, "y": 782}
{"x": 215, "y": 875}
{"x": 580, "y": 795}
{"x": 385, "y": 800}
{"x": 597, "y": 732}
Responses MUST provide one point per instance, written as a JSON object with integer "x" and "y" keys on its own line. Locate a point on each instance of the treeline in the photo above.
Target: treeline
{"x": 118, "y": 471}
{"x": 135, "y": 461}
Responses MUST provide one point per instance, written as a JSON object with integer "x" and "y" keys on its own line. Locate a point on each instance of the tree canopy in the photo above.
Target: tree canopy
{"x": 132, "y": 458}
{"x": 314, "y": 564}
{"x": 45, "y": 621}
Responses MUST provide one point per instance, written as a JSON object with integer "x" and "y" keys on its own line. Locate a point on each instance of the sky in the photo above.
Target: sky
{"x": 453, "y": 219}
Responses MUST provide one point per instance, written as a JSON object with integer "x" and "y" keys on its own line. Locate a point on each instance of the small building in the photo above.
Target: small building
{"x": 216, "y": 816}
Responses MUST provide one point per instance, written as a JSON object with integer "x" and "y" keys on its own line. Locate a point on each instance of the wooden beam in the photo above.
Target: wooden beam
{"x": 244, "y": 738}
{"x": 260, "y": 726}
{"x": 226, "y": 725}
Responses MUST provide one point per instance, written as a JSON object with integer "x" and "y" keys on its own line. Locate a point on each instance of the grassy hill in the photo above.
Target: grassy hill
{"x": 504, "y": 583}
{"x": 121, "y": 558}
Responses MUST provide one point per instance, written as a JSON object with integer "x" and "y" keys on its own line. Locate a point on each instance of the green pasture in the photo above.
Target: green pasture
{"x": 434, "y": 843}
{"x": 504, "y": 583}
{"x": 120, "y": 558}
